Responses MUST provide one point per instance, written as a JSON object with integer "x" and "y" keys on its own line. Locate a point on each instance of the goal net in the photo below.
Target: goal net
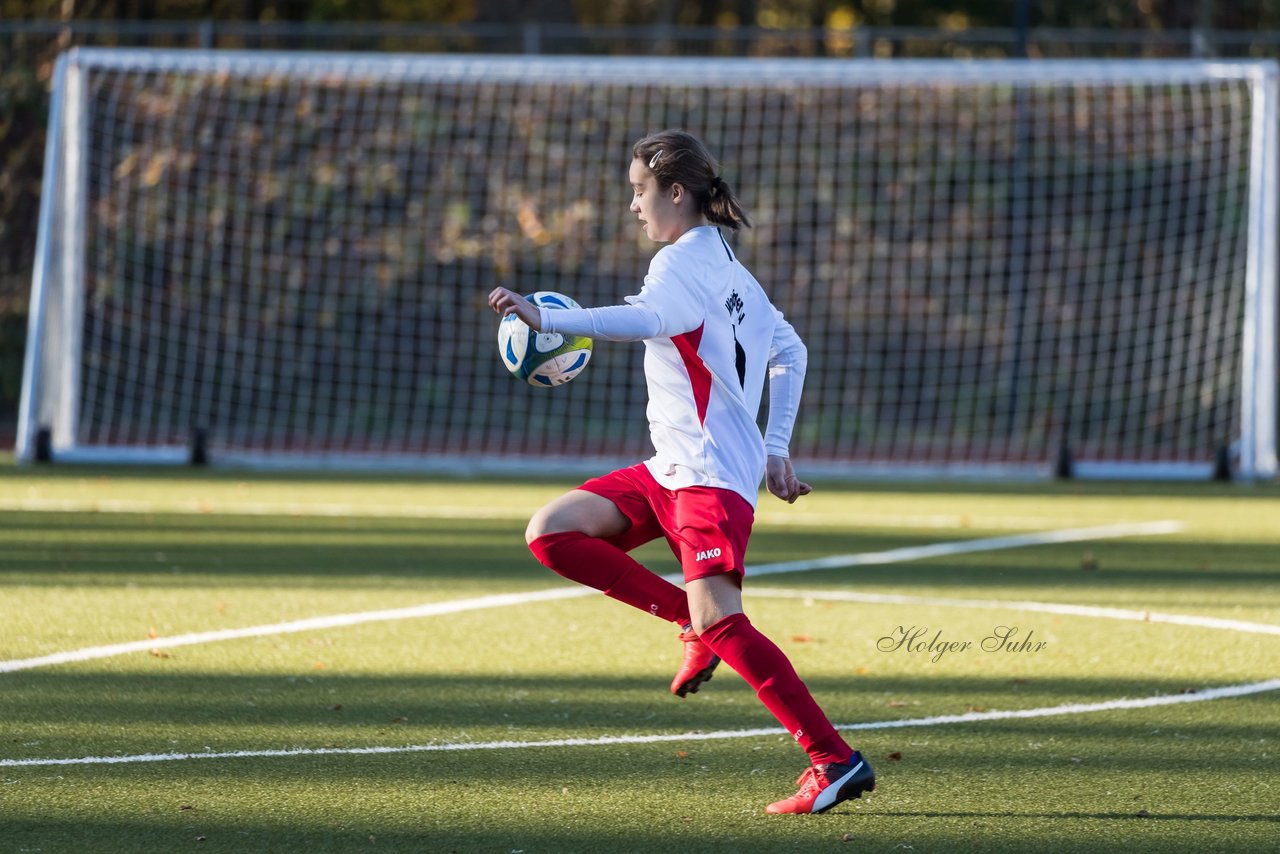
{"x": 1004, "y": 268}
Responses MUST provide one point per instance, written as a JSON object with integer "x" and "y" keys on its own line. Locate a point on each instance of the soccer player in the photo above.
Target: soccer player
{"x": 711, "y": 336}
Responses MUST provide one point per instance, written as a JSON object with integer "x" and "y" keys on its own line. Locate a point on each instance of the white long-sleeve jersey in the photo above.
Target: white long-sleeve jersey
{"x": 711, "y": 336}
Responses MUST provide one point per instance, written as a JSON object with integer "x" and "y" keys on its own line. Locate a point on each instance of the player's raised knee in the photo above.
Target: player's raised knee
{"x": 579, "y": 511}
{"x": 549, "y": 520}
{"x": 537, "y": 527}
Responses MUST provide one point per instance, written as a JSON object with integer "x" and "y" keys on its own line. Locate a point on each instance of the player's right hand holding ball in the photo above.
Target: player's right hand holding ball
{"x": 505, "y": 302}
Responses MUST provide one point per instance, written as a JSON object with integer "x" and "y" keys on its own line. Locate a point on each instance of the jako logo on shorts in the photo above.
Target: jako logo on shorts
{"x": 709, "y": 553}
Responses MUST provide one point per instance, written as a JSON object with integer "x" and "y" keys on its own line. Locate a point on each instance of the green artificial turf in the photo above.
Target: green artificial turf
{"x": 92, "y": 557}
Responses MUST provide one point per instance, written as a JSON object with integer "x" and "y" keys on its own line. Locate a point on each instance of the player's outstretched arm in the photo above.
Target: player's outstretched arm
{"x": 505, "y": 301}
{"x": 780, "y": 478}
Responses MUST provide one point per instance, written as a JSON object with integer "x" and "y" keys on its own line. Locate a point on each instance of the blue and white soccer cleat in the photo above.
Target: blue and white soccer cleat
{"x": 824, "y": 786}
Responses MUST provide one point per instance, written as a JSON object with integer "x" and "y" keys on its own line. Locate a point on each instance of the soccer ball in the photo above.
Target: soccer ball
{"x": 542, "y": 358}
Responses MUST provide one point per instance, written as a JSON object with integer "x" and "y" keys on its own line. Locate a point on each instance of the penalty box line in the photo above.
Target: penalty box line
{"x": 1223, "y": 692}
{"x": 455, "y": 606}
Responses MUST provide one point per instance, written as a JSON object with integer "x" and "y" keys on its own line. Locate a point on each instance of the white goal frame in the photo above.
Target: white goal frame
{"x": 50, "y": 403}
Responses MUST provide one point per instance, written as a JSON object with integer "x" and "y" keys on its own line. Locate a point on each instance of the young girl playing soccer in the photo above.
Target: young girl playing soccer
{"x": 711, "y": 335}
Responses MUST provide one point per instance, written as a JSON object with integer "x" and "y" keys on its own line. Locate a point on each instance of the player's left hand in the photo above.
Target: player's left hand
{"x": 505, "y": 301}
{"x": 780, "y": 478}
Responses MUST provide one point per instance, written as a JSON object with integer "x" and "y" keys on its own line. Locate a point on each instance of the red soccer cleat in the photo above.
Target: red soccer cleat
{"x": 699, "y": 663}
{"x": 824, "y": 786}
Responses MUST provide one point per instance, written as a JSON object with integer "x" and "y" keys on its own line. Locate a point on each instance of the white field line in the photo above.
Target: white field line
{"x": 987, "y": 544}
{"x": 430, "y": 609}
{"x": 1007, "y": 605}
{"x": 234, "y": 507}
{"x": 455, "y": 606}
{"x": 936, "y": 720}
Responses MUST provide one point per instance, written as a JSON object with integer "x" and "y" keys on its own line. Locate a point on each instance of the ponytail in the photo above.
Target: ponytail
{"x": 722, "y": 206}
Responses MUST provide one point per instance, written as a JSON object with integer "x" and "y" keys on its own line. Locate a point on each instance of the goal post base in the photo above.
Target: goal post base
{"x": 573, "y": 467}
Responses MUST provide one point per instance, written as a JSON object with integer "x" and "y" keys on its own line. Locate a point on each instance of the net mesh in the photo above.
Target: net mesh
{"x": 984, "y": 271}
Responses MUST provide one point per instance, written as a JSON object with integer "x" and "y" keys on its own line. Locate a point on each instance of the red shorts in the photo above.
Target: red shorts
{"x": 707, "y": 528}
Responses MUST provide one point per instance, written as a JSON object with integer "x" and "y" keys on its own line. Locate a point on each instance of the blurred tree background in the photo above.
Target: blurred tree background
{"x": 33, "y": 32}
{"x": 1153, "y": 14}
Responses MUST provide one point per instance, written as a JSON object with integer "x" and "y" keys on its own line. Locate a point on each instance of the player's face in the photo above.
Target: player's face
{"x": 660, "y": 214}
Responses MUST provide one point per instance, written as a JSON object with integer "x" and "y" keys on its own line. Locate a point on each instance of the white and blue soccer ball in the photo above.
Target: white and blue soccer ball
{"x": 542, "y": 358}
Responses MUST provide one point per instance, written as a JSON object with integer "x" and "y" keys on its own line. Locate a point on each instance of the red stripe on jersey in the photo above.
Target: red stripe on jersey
{"x": 699, "y": 374}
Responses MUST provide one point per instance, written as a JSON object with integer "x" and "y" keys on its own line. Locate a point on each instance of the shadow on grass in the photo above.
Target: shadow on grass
{"x": 1105, "y": 816}
{"x": 787, "y": 834}
{"x": 90, "y": 549}
{"x": 636, "y": 803}
{"x": 603, "y": 835}
{"x": 144, "y": 712}
{"x": 616, "y": 797}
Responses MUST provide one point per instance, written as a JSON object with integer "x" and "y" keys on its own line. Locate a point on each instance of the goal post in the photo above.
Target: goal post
{"x": 1259, "y": 345}
{"x": 1004, "y": 268}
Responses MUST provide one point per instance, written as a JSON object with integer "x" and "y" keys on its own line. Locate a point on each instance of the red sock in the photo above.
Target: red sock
{"x": 767, "y": 669}
{"x": 607, "y": 568}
